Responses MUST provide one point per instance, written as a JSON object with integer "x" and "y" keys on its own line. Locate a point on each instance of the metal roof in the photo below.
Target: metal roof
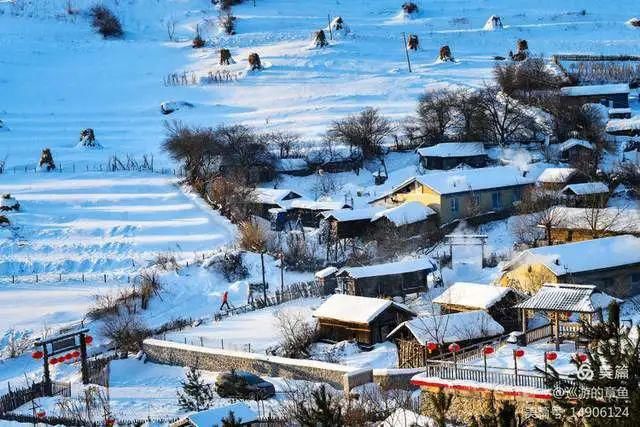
{"x": 567, "y": 297}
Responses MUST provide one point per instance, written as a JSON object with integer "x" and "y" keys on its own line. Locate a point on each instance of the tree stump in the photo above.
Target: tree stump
{"x": 225, "y": 57}
{"x": 46, "y": 160}
{"x": 320, "y": 39}
{"x": 412, "y": 42}
{"x": 445, "y": 54}
{"x": 254, "y": 61}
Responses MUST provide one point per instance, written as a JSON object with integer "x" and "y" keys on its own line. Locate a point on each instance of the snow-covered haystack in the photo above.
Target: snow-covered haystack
{"x": 634, "y": 22}
{"x": 413, "y": 42}
{"x": 225, "y": 57}
{"x": 8, "y": 203}
{"x": 169, "y": 107}
{"x": 2, "y": 126}
{"x": 338, "y": 27}
{"x": 254, "y": 62}
{"x": 320, "y": 39}
{"x": 493, "y": 23}
{"x": 4, "y": 221}
{"x": 409, "y": 8}
{"x": 46, "y": 160}
{"x": 88, "y": 139}
{"x": 445, "y": 54}
{"x": 522, "y": 51}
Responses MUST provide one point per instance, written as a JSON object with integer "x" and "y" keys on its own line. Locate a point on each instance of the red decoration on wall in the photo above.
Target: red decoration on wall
{"x": 519, "y": 352}
{"x": 454, "y": 347}
{"x": 431, "y": 346}
{"x": 551, "y": 356}
{"x": 37, "y": 354}
{"x": 53, "y": 361}
{"x": 582, "y": 357}
{"x": 488, "y": 349}
{"x": 88, "y": 339}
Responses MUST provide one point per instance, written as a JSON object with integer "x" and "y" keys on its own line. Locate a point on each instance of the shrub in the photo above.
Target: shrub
{"x": 126, "y": 331}
{"x": 252, "y": 236}
{"x": 167, "y": 262}
{"x": 231, "y": 265}
{"x": 46, "y": 160}
{"x": 105, "y": 22}
{"x": 296, "y": 334}
{"x": 148, "y": 286}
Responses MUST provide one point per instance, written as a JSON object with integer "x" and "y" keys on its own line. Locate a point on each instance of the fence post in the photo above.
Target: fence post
{"x": 105, "y": 278}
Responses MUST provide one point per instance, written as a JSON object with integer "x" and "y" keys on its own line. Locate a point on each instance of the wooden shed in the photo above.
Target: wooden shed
{"x": 496, "y": 300}
{"x": 386, "y": 280}
{"x": 449, "y": 155}
{"x": 264, "y": 199}
{"x": 609, "y": 95}
{"x": 307, "y": 211}
{"x": 573, "y": 150}
{"x": 365, "y": 320}
{"x": 464, "y": 328}
{"x": 586, "y": 194}
{"x": 326, "y": 280}
{"x": 350, "y": 223}
{"x": 410, "y": 218}
{"x": 558, "y": 178}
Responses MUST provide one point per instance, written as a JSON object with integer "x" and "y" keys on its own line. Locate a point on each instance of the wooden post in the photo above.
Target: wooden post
{"x": 484, "y": 355}
{"x": 330, "y": 31}
{"x": 281, "y": 272}
{"x": 515, "y": 365}
{"x": 83, "y": 360}
{"x": 47, "y": 375}
{"x": 524, "y": 320}
{"x": 557, "y": 330}
{"x": 264, "y": 283}
{"x": 406, "y": 51}
{"x": 455, "y": 365}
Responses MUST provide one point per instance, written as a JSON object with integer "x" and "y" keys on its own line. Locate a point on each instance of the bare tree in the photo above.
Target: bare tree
{"x": 296, "y": 333}
{"x": 91, "y": 407}
{"x": 126, "y": 331}
{"x": 233, "y": 196}
{"x": 436, "y": 113}
{"x": 252, "y": 236}
{"x": 286, "y": 142}
{"x": 365, "y": 130}
{"x": 536, "y": 209}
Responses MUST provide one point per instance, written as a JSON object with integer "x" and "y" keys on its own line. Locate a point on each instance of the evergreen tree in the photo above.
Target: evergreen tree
{"x": 441, "y": 402}
{"x": 231, "y": 420}
{"x": 323, "y": 411}
{"x": 196, "y": 395}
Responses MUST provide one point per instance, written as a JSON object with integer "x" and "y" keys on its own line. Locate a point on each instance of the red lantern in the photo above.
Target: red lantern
{"x": 68, "y": 356}
{"x": 551, "y": 356}
{"x": 41, "y": 414}
{"x": 37, "y": 354}
{"x": 88, "y": 339}
{"x": 109, "y": 422}
{"x": 431, "y": 346}
{"x": 61, "y": 359}
{"x": 519, "y": 352}
{"x": 488, "y": 349}
{"x": 53, "y": 361}
{"x": 454, "y": 347}
{"x": 76, "y": 354}
{"x": 582, "y": 357}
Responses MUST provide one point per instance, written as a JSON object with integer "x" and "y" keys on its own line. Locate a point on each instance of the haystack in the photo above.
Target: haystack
{"x": 445, "y": 54}
{"x": 320, "y": 39}
{"x": 4, "y": 221}
{"x": 197, "y": 42}
{"x": 493, "y": 23}
{"x": 337, "y": 24}
{"x": 88, "y": 138}
{"x": 254, "y": 62}
{"x": 522, "y": 45}
{"x": 46, "y": 160}
{"x": 225, "y": 57}
{"x": 8, "y": 203}
{"x": 409, "y": 7}
{"x": 412, "y": 42}
{"x": 634, "y": 22}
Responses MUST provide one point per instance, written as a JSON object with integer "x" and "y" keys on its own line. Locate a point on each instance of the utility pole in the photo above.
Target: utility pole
{"x": 406, "y": 51}
{"x": 330, "y": 32}
{"x": 281, "y": 273}
{"x": 264, "y": 283}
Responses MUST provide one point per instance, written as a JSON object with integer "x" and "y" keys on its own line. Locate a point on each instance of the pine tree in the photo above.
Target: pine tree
{"x": 196, "y": 395}
{"x": 231, "y": 421}
{"x": 324, "y": 410}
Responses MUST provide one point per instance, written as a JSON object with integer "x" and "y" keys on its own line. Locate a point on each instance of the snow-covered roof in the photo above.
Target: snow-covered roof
{"x": 273, "y": 196}
{"x": 617, "y": 125}
{"x": 327, "y": 271}
{"x": 587, "y": 255}
{"x": 448, "y": 328}
{"x": 405, "y": 417}
{"x": 388, "y": 268}
{"x": 573, "y": 142}
{"x": 214, "y": 416}
{"x": 567, "y": 297}
{"x": 595, "y": 90}
{"x": 406, "y": 213}
{"x": 454, "y": 149}
{"x": 288, "y": 165}
{"x": 354, "y": 309}
{"x": 473, "y": 295}
{"x": 615, "y": 220}
{"x": 352, "y": 214}
{"x": 586, "y": 188}
{"x": 619, "y": 111}
{"x": 556, "y": 175}
{"x": 464, "y": 180}
{"x": 317, "y": 205}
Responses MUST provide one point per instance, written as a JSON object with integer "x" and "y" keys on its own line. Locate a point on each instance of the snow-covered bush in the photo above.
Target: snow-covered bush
{"x": 166, "y": 261}
{"x": 126, "y": 331}
{"x": 412, "y": 42}
{"x": 296, "y": 333}
{"x": 231, "y": 265}
{"x": 253, "y": 237}
{"x": 445, "y": 54}
{"x": 105, "y": 21}
{"x": 88, "y": 139}
{"x": 14, "y": 343}
{"x": 634, "y": 22}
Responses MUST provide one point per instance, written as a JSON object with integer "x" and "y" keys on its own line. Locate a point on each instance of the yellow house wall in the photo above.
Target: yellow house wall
{"x": 528, "y": 277}
{"x": 418, "y": 193}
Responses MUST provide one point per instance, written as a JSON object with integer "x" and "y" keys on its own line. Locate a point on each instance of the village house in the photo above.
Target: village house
{"x": 624, "y": 127}
{"x": 326, "y": 280}
{"x": 336, "y": 159}
{"x": 619, "y": 113}
{"x": 386, "y": 280}
{"x": 609, "y": 95}
{"x": 410, "y": 219}
{"x": 498, "y": 301}
{"x": 558, "y": 178}
{"x": 264, "y": 199}
{"x": 448, "y": 155}
{"x": 578, "y": 224}
{"x": 564, "y": 305}
{"x": 293, "y": 166}
{"x": 611, "y": 263}
{"x": 574, "y": 150}
{"x": 458, "y": 194}
{"x": 350, "y": 223}
{"x": 365, "y": 320}
{"x": 307, "y": 211}
{"x": 587, "y": 194}
{"x": 464, "y": 328}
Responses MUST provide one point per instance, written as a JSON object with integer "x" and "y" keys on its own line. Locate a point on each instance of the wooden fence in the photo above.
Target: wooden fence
{"x": 18, "y": 397}
{"x": 539, "y": 333}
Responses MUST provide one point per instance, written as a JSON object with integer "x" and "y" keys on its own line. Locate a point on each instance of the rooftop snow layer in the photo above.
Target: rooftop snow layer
{"x": 586, "y": 188}
{"x": 316, "y": 205}
{"x": 457, "y": 181}
{"x": 607, "y": 219}
{"x": 406, "y": 213}
{"x": 398, "y": 267}
{"x": 454, "y": 149}
{"x": 216, "y": 416}
{"x": 567, "y": 297}
{"x": 448, "y": 328}
{"x": 273, "y": 196}
{"x": 573, "y": 142}
{"x": 353, "y": 214}
{"x": 556, "y": 175}
{"x": 288, "y": 165}
{"x": 327, "y": 271}
{"x": 353, "y": 309}
{"x": 588, "y": 255}
{"x": 616, "y": 125}
{"x": 475, "y": 295}
{"x": 595, "y": 90}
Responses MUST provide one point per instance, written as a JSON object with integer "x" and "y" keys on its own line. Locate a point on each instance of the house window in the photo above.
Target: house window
{"x": 496, "y": 200}
{"x": 475, "y": 198}
{"x": 517, "y": 194}
{"x": 453, "y": 204}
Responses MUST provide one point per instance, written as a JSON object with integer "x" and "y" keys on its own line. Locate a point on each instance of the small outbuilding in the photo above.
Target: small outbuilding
{"x": 350, "y": 223}
{"x": 449, "y": 155}
{"x": 589, "y": 194}
{"x": 464, "y": 328}
{"x": 365, "y": 320}
{"x": 264, "y": 199}
{"x": 609, "y": 95}
{"x": 496, "y": 300}
{"x": 386, "y": 280}
{"x": 558, "y": 178}
{"x": 410, "y": 218}
{"x": 578, "y": 224}
{"x": 242, "y": 413}
{"x": 574, "y": 149}
{"x": 307, "y": 211}
{"x": 326, "y": 279}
